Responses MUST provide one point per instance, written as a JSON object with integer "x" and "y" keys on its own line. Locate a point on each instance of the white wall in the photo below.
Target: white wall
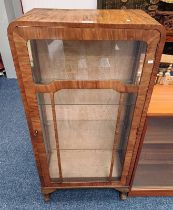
{"x": 17, "y": 7}
{"x": 10, "y": 9}
{"x": 6, "y": 15}
{"x": 60, "y": 4}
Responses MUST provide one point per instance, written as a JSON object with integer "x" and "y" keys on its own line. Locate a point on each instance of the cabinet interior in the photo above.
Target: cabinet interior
{"x": 92, "y": 125}
{"x": 155, "y": 167}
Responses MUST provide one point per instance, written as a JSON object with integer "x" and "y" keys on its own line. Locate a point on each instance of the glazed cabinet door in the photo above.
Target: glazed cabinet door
{"x": 86, "y": 94}
{"x": 155, "y": 166}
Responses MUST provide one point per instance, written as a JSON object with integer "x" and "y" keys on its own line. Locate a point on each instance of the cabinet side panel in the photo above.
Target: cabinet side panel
{"x": 25, "y": 76}
{"x": 156, "y": 50}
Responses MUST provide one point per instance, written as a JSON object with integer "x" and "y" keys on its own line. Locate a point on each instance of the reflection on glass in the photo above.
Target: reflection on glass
{"x": 85, "y": 128}
{"x": 87, "y": 60}
{"x": 86, "y": 132}
{"x": 155, "y": 167}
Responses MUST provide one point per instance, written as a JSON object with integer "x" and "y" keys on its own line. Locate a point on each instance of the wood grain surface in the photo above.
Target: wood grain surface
{"x": 161, "y": 103}
{"x": 127, "y": 25}
{"x": 90, "y": 18}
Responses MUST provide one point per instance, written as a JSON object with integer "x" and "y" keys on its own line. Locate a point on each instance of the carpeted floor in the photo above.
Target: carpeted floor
{"x": 19, "y": 183}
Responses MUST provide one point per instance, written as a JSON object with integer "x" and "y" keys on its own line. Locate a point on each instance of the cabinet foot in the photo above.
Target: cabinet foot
{"x": 46, "y": 197}
{"x": 123, "y": 196}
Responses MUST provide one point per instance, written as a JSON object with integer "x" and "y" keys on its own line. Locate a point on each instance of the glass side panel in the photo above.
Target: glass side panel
{"x": 86, "y": 60}
{"x": 155, "y": 167}
{"x": 86, "y": 121}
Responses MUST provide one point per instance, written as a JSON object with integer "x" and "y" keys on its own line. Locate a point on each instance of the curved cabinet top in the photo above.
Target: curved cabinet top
{"x": 129, "y": 19}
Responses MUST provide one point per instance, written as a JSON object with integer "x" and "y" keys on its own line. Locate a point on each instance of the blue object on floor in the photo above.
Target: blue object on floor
{"x": 19, "y": 182}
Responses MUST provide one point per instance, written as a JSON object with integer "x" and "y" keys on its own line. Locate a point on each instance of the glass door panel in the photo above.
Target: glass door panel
{"x": 86, "y": 60}
{"x": 86, "y": 130}
{"x": 155, "y": 167}
{"x": 92, "y": 126}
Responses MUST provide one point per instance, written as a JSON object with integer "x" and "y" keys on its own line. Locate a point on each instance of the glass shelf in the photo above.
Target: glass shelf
{"x": 77, "y": 164}
{"x": 159, "y": 131}
{"x": 85, "y": 112}
{"x": 87, "y": 97}
{"x": 154, "y": 175}
{"x": 84, "y": 134}
{"x": 155, "y": 166}
{"x": 157, "y": 154}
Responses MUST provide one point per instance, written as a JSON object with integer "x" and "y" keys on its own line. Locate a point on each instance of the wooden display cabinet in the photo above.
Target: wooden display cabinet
{"x": 86, "y": 78}
{"x": 153, "y": 175}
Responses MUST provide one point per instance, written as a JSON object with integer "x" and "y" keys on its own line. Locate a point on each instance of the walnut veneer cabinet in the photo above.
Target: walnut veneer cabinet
{"x": 86, "y": 78}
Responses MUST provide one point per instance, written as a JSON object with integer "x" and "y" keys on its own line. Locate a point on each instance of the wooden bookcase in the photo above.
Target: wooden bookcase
{"x": 86, "y": 78}
{"x": 154, "y": 165}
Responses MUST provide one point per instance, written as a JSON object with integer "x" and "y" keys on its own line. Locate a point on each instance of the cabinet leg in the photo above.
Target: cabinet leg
{"x": 46, "y": 197}
{"x": 123, "y": 196}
